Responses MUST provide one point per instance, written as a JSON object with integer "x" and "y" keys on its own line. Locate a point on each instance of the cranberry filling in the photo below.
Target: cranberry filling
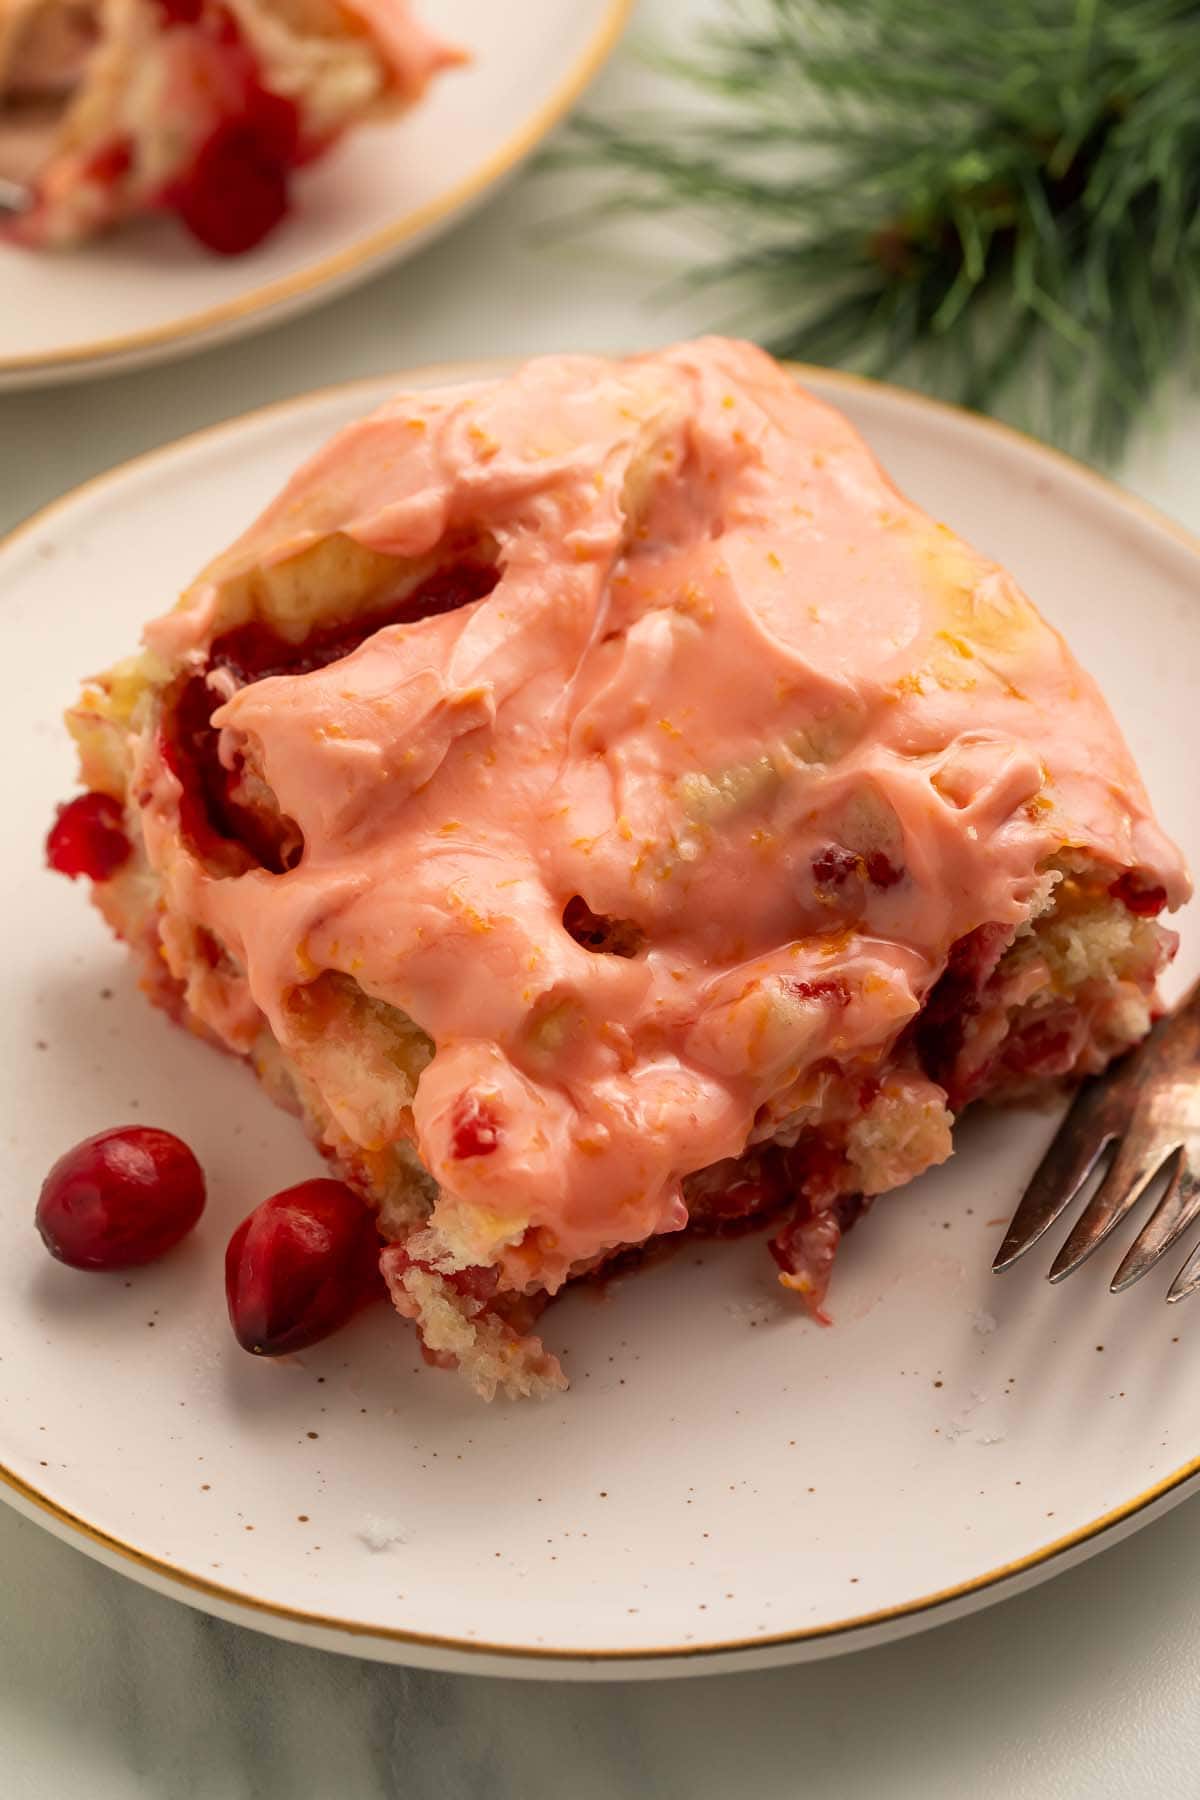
{"x": 212, "y": 819}
{"x": 107, "y": 165}
{"x": 833, "y": 988}
{"x": 474, "y": 1128}
{"x": 88, "y": 838}
{"x": 742, "y": 1192}
{"x": 475, "y": 1283}
{"x": 940, "y": 1030}
{"x": 1144, "y": 902}
{"x": 739, "y": 1193}
{"x": 217, "y": 816}
{"x": 881, "y": 871}
{"x": 834, "y": 866}
{"x": 1046, "y": 1048}
{"x": 254, "y": 651}
{"x": 180, "y": 12}
{"x": 817, "y": 1171}
{"x": 807, "y": 1245}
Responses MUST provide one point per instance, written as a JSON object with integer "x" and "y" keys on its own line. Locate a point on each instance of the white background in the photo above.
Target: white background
{"x": 1089, "y": 1686}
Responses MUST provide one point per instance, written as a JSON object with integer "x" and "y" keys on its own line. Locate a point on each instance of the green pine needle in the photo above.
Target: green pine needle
{"x": 997, "y": 201}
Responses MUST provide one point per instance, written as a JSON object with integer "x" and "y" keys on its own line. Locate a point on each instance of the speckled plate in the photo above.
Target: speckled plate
{"x": 148, "y": 293}
{"x": 725, "y": 1484}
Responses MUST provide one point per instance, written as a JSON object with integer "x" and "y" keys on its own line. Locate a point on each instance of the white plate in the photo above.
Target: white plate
{"x": 147, "y": 293}
{"x": 725, "y": 1484}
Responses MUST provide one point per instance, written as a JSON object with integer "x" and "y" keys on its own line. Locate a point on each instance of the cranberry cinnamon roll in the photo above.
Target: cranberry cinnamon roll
{"x": 602, "y": 806}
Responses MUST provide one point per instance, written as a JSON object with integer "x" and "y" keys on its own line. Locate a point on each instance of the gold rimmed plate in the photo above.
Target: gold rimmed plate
{"x": 725, "y": 1484}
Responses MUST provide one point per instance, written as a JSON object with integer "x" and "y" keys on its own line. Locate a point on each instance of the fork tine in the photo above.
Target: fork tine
{"x": 1177, "y": 1209}
{"x": 1187, "y": 1280}
{"x": 1080, "y": 1142}
{"x": 1138, "y": 1160}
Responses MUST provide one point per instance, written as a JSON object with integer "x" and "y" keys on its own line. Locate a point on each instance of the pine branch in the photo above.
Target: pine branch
{"x": 1000, "y": 202}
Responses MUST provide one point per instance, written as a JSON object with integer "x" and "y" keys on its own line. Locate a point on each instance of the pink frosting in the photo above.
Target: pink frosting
{"x": 676, "y": 723}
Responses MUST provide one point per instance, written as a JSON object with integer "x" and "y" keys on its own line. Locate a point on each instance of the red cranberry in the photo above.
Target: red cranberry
{"x": 805, "y": 1250}
{"x": 1144, "y": 902}
{"x": 939, "y": 1031}
{"x": 816, "y": 1170}
{"x": 737, "y": 1190}
{"x": 113, "y": 160}
{"x": 807, "y": 1243}
{"x": 1046, "y": 1048}
{"x": 832, "y": 988}
{"x": 237, "y": 190}
{"x": 882, "y": 871}
{"x": 475, "y": 1128}
{"x": 254, "y": 651}
{"x": 299, "y": 1266}
{"x": 478, "y": 1282}
{"x": 88, "y": 838}
{"x": 121, "y": 1198}
{"x": 180, "y": 12}
{"x": 833, "y": 865}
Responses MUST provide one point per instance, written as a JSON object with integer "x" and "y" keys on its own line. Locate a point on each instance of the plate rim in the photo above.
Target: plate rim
{"x": 284, "y": 290}
{"x": 154, "y": 1571}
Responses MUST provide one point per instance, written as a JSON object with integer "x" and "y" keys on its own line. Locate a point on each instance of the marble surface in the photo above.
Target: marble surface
{"x": 1088, "y": 1686}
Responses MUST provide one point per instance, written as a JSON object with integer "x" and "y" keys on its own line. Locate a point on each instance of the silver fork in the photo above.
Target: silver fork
{"x": 1148, "y": 1105}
